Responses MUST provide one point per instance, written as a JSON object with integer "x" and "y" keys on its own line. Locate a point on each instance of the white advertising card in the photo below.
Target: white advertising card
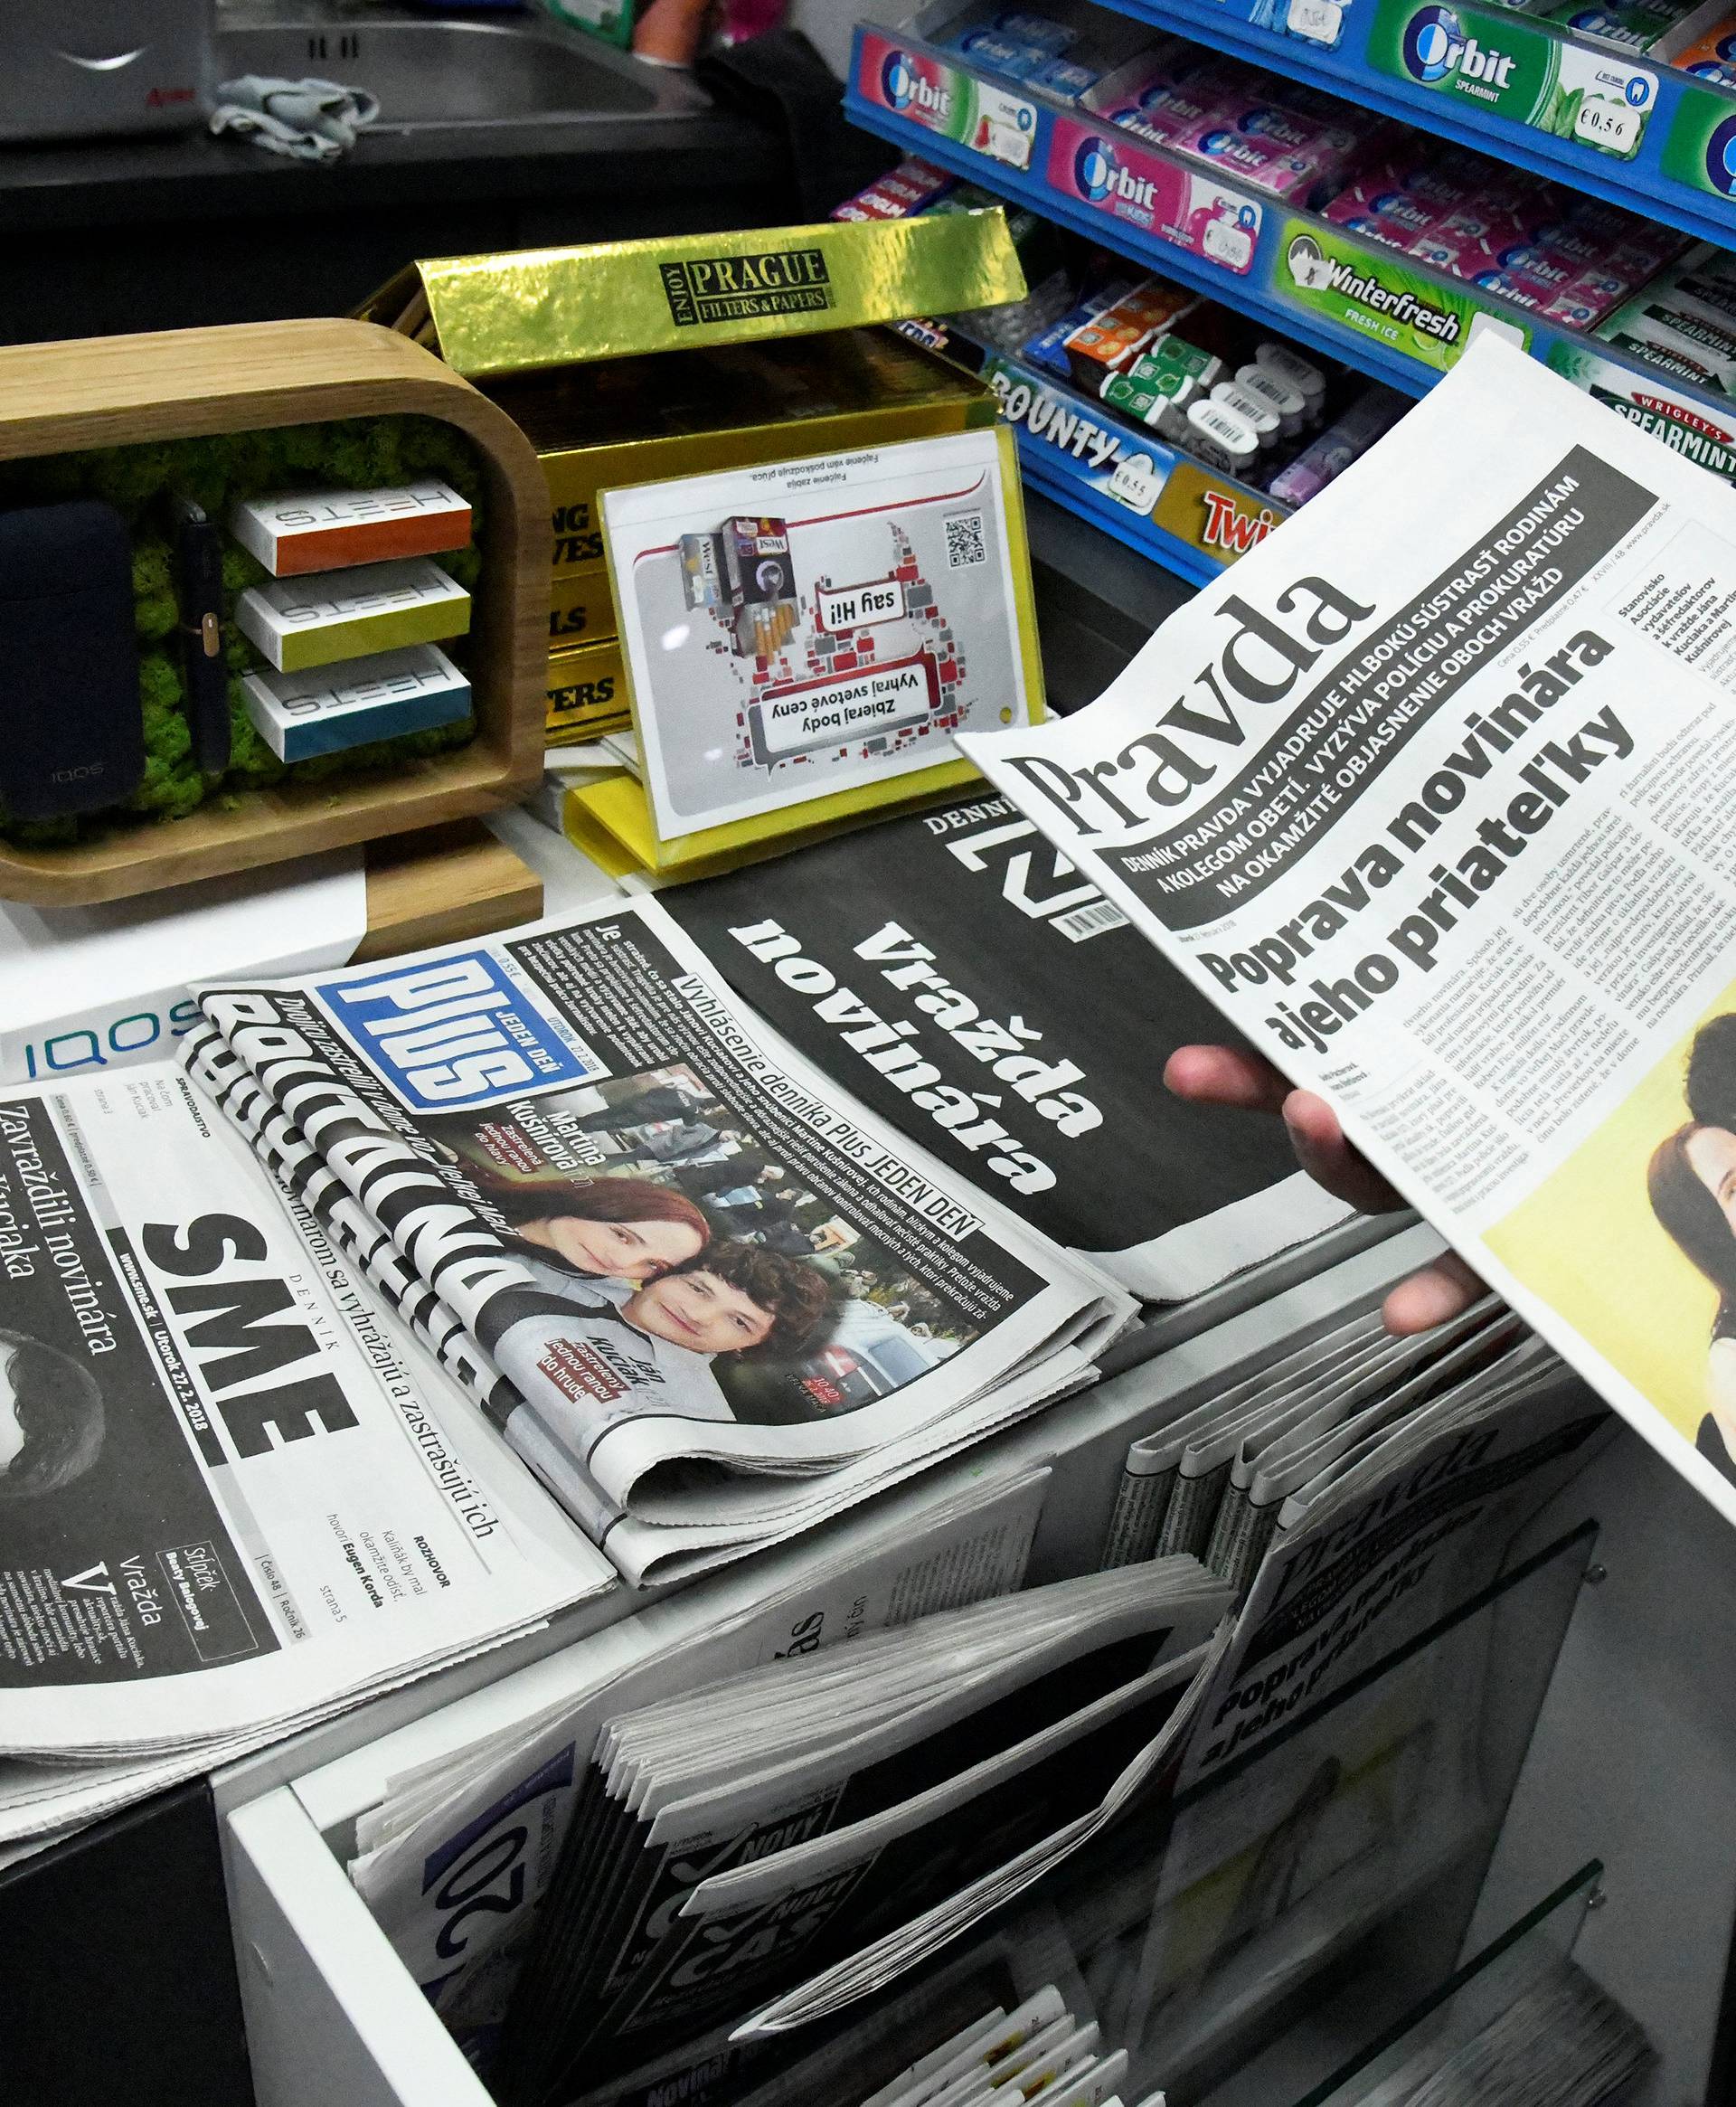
{"x": 815, "y": 626}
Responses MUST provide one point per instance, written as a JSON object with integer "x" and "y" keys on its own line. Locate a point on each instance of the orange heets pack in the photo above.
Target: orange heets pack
{"x": 298, "y": 531}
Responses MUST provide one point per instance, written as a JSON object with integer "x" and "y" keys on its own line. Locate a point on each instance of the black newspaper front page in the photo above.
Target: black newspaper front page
{"x": 954, "y": 971}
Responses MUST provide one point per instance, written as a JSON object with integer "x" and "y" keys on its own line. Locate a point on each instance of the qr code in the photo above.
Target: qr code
{"x": 964, "y": 541}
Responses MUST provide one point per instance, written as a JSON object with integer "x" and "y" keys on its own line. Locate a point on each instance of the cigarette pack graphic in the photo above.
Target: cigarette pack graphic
{"x": 744, "y": 570}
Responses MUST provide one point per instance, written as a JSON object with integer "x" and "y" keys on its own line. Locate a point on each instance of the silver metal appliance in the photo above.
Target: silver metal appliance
{"x": 84, "y": 68}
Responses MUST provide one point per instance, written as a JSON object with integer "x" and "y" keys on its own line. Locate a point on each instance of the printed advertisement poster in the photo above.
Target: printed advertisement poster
{"x": 817, "y": 626}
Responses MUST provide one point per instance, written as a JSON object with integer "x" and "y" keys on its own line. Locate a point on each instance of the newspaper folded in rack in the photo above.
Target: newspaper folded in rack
{"x": 456, "y": 1861}
{"x": 549, "y": 1127}
{"x": 1131, "y": 1763}
{"x": 840, "y": 1754}
{"x": 1403, "y": 1528}
{"x": 1428, "y": 795}
{"x": 952, "y": 970}
{"x": 234, "y": 1502}
{"x": 728, "y": 1840}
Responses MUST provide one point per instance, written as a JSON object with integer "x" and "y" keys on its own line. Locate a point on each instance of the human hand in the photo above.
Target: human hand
{"x": 1219, "y": 1075}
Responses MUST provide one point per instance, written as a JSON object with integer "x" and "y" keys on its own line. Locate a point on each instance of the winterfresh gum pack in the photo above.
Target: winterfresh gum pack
{"x": 294, "y": 532}
{"x": 329, "y": 616}
{"x": 329, "y": 709}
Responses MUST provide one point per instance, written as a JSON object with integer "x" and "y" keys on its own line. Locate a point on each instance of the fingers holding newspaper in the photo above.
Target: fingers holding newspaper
{"x": 1242, "y": 1081}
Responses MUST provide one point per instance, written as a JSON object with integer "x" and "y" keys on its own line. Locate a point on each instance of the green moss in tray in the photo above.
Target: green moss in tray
{"x": 369, "y": 453}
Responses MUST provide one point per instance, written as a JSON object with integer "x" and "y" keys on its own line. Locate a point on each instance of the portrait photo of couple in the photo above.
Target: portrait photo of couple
{"x": 653, "y": 1217}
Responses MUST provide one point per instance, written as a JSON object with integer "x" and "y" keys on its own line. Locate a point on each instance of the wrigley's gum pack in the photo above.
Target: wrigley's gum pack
{"x": 586, "y": 693}
{"x": 643, "y": 419}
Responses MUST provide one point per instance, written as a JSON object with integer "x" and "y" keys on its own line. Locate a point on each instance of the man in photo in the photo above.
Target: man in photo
{"x": 606, "y": 1350}
{"x": 51, "y": 1418}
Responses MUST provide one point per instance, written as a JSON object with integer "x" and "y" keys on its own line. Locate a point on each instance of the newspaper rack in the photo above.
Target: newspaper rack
{"x": 315, "y": 1966}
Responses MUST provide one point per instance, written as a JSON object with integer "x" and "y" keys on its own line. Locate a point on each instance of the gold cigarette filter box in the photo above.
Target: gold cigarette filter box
{"x": 633, "y": 362}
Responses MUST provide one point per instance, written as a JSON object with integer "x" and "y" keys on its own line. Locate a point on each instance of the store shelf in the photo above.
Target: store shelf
{"x": 1681, "y": 132}
{"x": 1151, "y": 498}
{"x": 1383, "y": 314}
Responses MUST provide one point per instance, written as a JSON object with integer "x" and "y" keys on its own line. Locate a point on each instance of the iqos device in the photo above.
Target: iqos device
{"x": 71, "y": 729}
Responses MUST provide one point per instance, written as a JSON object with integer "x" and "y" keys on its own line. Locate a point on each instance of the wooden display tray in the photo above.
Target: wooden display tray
{"x": 441, "y": 884}
{"x": 184, "y": 383}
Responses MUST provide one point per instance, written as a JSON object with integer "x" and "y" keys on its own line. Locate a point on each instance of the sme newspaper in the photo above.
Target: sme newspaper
{"x": 1429, "y": 794}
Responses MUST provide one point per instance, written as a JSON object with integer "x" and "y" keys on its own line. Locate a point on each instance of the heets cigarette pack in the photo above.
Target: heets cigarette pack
{"x": 332, "y": 614}
{"x": 330, "y": 708}
{"x": 298, "y": 531}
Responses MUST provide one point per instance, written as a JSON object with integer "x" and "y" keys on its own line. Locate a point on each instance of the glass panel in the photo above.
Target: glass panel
{"x": 1522, "y": 1958}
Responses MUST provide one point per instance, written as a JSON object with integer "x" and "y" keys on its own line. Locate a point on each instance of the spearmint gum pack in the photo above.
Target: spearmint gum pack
{"x": 1065, "y": 79}
{"x": 1264, "y": 420}
{"x": 1249, "y": 159}
{"x": 1285, "y": 403}
{"x": 1221, "y": 439}
{"x": 1624, "y": 23}
{"x": 1374, "y": 412}
{"x": 1390, "y": 233}
{"x": 1295, "y": 371}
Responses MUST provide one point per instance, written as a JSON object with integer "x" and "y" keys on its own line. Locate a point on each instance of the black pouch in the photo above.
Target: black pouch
{"x": 71, "y": 728}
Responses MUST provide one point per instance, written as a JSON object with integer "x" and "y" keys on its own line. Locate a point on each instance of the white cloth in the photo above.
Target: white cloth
{"x": 311, "y": 121}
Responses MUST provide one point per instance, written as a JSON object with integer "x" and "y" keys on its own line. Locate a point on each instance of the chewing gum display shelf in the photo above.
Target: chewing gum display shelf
{"x": 1385, "y": 313}
{"x": 190, "y": 383}
{"x": 1154, "y": 498}
{"x": 1642, "y": 135}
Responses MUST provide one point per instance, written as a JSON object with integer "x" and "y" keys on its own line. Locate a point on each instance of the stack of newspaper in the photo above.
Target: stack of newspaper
{"x": 489, "y": 1816}
{"x": 235, "y": 1500}
{"x": 1220, "y": 1480}
{"x": 728, "y": 1839}
{"x": 1561, "y": 2043}
{"x": 547, "y": 1152}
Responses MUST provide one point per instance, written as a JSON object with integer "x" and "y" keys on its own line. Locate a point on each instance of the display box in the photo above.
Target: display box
{"x": 586, "y": 693}
{"x": 637, "y": 362}
{"x": 64, "y": 399}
